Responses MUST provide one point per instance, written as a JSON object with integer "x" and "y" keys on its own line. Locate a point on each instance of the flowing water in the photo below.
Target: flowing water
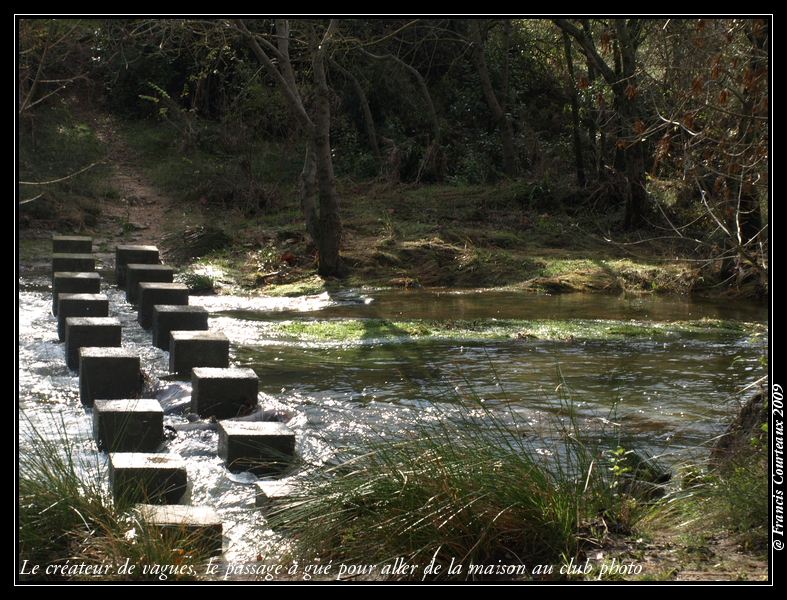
{"x": 667, "y": 395}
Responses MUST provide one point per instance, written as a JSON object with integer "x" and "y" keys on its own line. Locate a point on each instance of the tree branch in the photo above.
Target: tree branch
{"x": 63, "y": 178}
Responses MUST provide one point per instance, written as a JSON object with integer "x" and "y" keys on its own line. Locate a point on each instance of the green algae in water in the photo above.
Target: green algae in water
{"x": 357, "y": 330}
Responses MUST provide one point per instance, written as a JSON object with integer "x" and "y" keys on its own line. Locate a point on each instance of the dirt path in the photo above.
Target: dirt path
{"x": 143, "y": 214}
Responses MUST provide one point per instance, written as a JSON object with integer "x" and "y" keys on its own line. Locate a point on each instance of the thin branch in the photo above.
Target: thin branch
{"x": 62, "y": 178}
{"x": 733, "y": 241}
{"x": 27, "y": 102}
{"x": 31, "y": 199}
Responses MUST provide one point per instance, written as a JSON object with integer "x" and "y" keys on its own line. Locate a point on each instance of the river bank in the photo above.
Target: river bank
{"x": 397, "y": 249}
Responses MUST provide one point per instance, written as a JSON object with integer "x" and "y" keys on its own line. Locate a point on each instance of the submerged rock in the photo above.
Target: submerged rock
{"x": 175, "y": 398}
{"x": 212, "y": 424}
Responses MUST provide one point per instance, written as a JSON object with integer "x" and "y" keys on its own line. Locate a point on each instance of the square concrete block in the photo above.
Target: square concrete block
{"x": 178, "y": 317}
{"x": 223, "y": 393}
{"x": 152, "y": 478}
{"x": 189, "y": 349}
{"x": 73, "y": 262}
{"x": 199, "y": 523}
{"x": 84, "y": 332}
{"x": 136, "y": 274}
{"x": 128, "y": 425}
{"x": 127, "y": 254}
{"x": 108, "y": 374}
{"x": 79, "y": 305}
{"x": 73, "y": 282}
{"x": 151, "y": 293}
{"x": 269, "y": 492}
{"x": 263, "y": 448}
{"x": 71, "y": 244}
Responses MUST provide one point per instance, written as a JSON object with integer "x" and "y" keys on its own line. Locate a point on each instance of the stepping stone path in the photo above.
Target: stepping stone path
{"x": 131, "y": 429}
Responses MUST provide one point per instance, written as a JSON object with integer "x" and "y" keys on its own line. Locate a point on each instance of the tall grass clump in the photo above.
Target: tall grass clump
{"x": 728, "y": 494}
{"x": 57, "y": 502}
{"x": 466, "y": 486}
{"x": 70, "y": 528}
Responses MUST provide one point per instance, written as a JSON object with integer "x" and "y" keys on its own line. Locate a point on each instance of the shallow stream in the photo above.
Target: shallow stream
{"x": 667, "y": 394}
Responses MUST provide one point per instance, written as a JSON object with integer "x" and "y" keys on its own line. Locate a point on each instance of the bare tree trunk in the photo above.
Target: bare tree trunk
{"x": 637, "y": 200}
{"x": 367, "y": 113}
{"x": 624, "y": 87}
{"x": 324, "y": 225}
{"x": 307, "y": 182}
{"x": 329, "y": 223}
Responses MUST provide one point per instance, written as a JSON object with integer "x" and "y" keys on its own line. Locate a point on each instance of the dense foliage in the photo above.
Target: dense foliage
{"x": 664, "y": 119}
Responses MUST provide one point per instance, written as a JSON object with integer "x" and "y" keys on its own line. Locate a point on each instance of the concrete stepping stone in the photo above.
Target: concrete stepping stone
{"x": 84, "y": 332}
{"x": 260, "y": 447}
{"x": 151, "y": 293}
{"x": 200, "y": 523}
{"x": 130, "y": 254}
{"x": 74, "y": 282}
{"x": 148, "y": 477}
{"x": 128, "y": 425}
{"x": 176, "y": 317}
{"x": 189, "y": 349}
{"x": 108, "y": 374}
{"x": 269, "y": 492}
{"x": 72, "y": 244}
{"x": 79, "y": 305}
{"x": 73, "y": 262}
{"x": 223, "y": 393}
{"x": 136, "y": 274}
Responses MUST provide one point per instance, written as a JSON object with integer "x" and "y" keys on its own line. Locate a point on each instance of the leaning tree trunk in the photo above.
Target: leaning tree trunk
{"x": 502, "y": 120}
{"x": 329, "y": 223}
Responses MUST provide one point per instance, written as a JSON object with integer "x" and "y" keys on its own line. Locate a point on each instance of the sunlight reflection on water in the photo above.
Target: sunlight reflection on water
{"x": 664, "y": 393}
